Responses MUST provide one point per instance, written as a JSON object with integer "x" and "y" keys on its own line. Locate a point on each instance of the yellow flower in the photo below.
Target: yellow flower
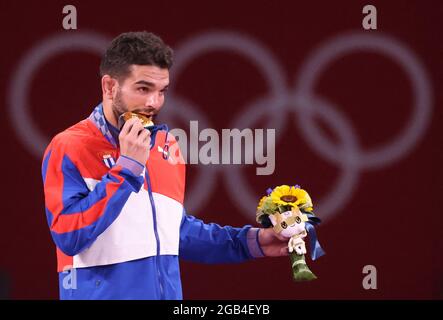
{"x": 265, "y": 207}
{"x": 260, "y": 203}
{"x": 290, "y": 196}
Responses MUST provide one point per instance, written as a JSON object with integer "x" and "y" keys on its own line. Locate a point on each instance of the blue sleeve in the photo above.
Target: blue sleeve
{"x": 212, "y": 243}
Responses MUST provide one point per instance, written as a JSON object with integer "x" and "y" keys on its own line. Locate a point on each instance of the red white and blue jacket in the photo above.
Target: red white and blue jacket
{"x": 119, "y": 226}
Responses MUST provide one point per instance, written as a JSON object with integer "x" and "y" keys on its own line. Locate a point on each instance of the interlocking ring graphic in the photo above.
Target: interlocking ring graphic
{"x": 280, "y": 100}
{"x": 30, "y": 135}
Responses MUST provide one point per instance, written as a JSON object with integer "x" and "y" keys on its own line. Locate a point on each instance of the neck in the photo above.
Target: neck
{"x": 109, "y": 113}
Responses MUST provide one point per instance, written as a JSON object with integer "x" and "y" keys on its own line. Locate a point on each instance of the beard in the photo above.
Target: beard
{"x": 118, "y": 108}
{"x": 118, "y": 105}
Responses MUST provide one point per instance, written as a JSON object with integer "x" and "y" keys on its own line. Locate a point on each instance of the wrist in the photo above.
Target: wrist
{"x": 253, "y": 240}
{"x": 131, "y": 164}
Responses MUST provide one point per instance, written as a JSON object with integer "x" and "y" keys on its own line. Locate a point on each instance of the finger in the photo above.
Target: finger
{"x": 147, "y": 139}
{"x": 128, "y": 126}
{"x": 136, "y": 128}
{"x": 133, "y": 128}
{"x": 143, "y": 134}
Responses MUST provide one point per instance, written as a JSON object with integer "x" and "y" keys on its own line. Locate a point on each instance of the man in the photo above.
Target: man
{"x": 114, "y": 203}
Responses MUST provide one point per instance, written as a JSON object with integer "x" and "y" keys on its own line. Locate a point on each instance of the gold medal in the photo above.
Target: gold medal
{"x": 146, "y": 121}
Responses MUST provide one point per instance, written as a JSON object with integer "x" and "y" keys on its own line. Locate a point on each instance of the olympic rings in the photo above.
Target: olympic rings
{"x": 348, "y": 156}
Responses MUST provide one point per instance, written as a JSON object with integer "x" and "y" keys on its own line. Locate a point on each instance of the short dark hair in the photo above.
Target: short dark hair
{"x": 140, "y": 48}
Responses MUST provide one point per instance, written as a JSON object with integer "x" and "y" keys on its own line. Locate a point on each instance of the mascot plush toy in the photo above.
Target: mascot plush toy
{"x": 289, "y": 210}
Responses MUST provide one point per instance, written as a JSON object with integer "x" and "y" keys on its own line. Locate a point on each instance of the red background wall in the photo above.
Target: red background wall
{"x": 391, "y": 219}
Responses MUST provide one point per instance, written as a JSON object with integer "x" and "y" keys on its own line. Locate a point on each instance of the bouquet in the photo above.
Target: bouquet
{"x": 289, "y": 210}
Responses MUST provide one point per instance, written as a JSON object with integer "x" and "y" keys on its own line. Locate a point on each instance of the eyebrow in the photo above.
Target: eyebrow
{"x": 149, "y": 84}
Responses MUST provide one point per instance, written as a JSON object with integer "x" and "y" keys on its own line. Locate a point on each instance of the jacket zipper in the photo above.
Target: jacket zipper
{"x": 157, "y": 239}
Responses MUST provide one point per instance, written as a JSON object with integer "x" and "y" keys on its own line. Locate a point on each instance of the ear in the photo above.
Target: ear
{"x": 109, "y": 87}
{"x": 272, "y": 218}
{"x": 265, "y": 222}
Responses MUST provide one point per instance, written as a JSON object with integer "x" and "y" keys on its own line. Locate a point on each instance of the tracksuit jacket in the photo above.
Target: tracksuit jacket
{"x": 119, "y": 226}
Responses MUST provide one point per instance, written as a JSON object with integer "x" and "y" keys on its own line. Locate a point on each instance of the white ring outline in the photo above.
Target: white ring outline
{"x": 381, "y": 44}
{"x": 29, "y": 134}
{"x": 341, "y": 192}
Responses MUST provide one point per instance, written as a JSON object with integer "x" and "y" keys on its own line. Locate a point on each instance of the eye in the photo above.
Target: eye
{"x": 143, "y": 89}
{"x": 284, "y": 225}
{"x": 297, "y": 219}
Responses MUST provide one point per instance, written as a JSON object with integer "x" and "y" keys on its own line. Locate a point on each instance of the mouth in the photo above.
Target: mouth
{"x": 146, "y": 114}
{"x": 149, "y": 115}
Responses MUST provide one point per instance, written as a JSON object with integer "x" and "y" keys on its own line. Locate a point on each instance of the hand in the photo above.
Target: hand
{"x": 297, "y": 245}
{"x": 272, "y": 244}
{"x": 135, "y": 141}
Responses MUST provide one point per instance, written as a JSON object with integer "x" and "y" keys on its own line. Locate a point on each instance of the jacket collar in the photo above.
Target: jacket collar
{"x": 98, "y": 119}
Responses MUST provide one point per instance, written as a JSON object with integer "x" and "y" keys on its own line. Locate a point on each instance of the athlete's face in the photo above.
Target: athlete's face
{"x": 143, "y": 91}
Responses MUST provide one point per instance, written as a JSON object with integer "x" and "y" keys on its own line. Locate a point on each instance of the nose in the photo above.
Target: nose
{"x": 153, "y": 101}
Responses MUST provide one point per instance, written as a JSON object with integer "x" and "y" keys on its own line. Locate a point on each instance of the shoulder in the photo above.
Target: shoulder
{"x": 72, "y": 136}
{"x": 75, "y": 139}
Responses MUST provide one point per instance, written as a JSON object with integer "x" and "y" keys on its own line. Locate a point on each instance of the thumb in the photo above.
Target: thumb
{"x": 280, "y": 237}
{"x": 284, "y": 251}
